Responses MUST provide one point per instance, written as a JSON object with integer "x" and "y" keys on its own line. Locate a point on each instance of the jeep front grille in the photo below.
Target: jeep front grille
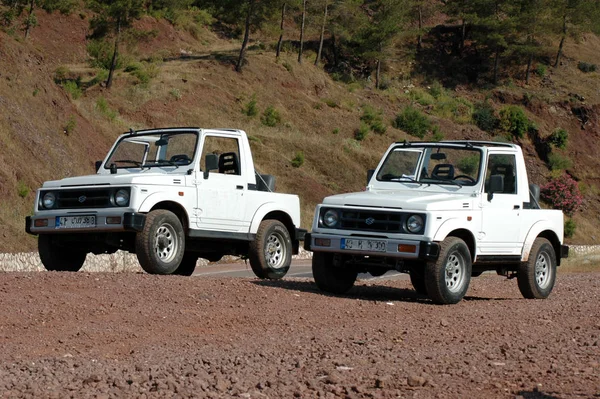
{"x": 90, "y": 198}
{"x": 372, "y": 221}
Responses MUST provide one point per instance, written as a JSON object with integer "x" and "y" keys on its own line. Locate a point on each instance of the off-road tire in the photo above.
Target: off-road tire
{"x": 57, "y": 258}
{"x": 537, "y": 276}
{"x": 161, "y": 243}
{"x": 187, "y": 265}
{"x": 270, "y": 253}
{"x": 329, "y": 277}
{"x": 447, "y": 279}
{"x": 417, "y": 278}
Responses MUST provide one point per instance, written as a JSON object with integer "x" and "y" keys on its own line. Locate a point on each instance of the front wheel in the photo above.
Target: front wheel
{"x": 447, "y": 279}
{"x": 537, "y": 276}
{"x": 57, "y": 258}
{"x": 271, "y": 251}
{"x": 332, "y": 277}
{"x": 187, "y": 265}
{"x": 417, "y": 278}
{"x": 161, "y": 244}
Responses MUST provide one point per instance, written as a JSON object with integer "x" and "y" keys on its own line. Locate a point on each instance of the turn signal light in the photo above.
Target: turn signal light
{"x": 407, "y": 248}
{"x": 41, "y": 223}
{"x": 322, "y": 242}
{"x": 113, "y": 220}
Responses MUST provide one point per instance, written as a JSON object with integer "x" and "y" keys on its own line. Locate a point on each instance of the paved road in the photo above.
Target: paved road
{"x": 299, "y": 268}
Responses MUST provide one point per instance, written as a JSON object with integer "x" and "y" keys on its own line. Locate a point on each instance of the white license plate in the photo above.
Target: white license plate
{"x": 75, "y": 222}
{"x": 363, "y": 245}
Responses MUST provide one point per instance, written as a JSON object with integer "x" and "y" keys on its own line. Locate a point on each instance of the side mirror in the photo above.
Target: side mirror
{"x": 496, "y": 186}
{"x": 370, "y": 174}
{"x": 98, "y": 164}
{"x": 212, "y": 163}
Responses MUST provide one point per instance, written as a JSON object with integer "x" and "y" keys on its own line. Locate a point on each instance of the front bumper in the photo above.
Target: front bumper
{"x": 400, "y": 249}
{"x": 130, "y": 222}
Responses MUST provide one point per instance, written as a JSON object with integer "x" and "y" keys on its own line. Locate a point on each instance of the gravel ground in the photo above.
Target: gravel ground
{"x": 105, "y": 335}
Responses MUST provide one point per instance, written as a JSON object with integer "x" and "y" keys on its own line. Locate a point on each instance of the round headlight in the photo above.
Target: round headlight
{"x": 49, "y": 200}
{"x": 330, "y": 218}
{"x": 122, "y": 197}
{"x": 414, "y": 224}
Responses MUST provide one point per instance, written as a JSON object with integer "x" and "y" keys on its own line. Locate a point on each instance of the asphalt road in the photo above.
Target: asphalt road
{"x": 299, "y": 268}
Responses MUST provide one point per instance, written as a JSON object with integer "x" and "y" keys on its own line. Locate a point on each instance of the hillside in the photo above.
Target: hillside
{"x": 47, "y": 133}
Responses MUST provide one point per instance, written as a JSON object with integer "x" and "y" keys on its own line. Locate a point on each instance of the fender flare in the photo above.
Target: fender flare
{"x": 264, "y": 210}
{"x": 534, "y": 232}
{"x": 457, "y": 224}
{"x": 162, "y": 196}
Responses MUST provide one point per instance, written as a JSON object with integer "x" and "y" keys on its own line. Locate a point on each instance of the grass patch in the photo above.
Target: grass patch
{"x": 103, "y": 107}
{"x": 270, "y": 117}
{"x": 558, "y": 162}
{"x": 298, "y": 159}
{"x": 71, "y": 125}
{"x": 72, "y": 87}
{"x": 22, "y": 189}
{"x": 250, "y": 108}
{"x": 361, "y": 133}
{"x": 413, "y": 122}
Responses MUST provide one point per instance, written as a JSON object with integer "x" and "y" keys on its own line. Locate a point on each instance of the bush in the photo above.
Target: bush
{"x": 455, "y": 108}
{"x": 413, "y": 122}
{"x": 250, "y": 108}
{"x": 373, "y": 119}
{"x": 437, "y": 134}
{"x": 436, "y": 89}
{"x": 421, "y": 97}
{"x": 468, "y": 165}
{"x": 101, "y": 52}
{"x": 586, "y": 67}
{"x": 22, "y": 189}
{"x": 485, "y": 118}
{"x": 65, "y": 7}
{"x": 361, "y": 133}
{"x": 270, "y": 117}
{"x": 569, "y": 228}
{"x": 562, "y": 193}
{"x": 61, "y": 73}
{"x": 72, "y": 88}
{"x": 558, "y": 162}
{"x": 102, "y": 106}
{"x": 336, "y": 131}
{"x": 298, "y": 159}
{"x": 330, "y": 103}
{"x": 540, "y": 70}
{"x": 559, "y": 138}
{"x": 514, "y": 121}
{"x": 144, "y": 71}
{"x": 71, "y": 125}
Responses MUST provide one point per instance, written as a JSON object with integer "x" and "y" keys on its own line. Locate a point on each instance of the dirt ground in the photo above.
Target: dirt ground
{"x": 106, "y": 335}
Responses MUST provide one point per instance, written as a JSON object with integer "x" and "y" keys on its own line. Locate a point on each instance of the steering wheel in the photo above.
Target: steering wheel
{"x": 466, "y": 177}
{"x": 180, "y": 158}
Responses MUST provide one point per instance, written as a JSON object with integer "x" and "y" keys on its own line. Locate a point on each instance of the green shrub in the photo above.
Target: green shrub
{"x": 421, "y": 97}
{"x": 454, "y": 108}
{"x": 586, "y": 67}
{"x": 468, "y": 165}
{"x": 378, "y": 127}
{"x": 101, "y": 76}
{"x": 61, "y": 73}
{"x": 437, "y": 134}
{"x": 559, "y": 138}
{"x": 514, "y": 121}
{"x": 413, "y": 122}
{"x": 436, "y": 89}
{"x": 570, "y": 227}
{"x": 330, "y": 103}
{"x": 270, "y": 117}
{"x": 485, "y": 118}
{"x": 540, "y": 70}
{"x": 104, "y": 109}
{"x": 287, "y": 66}
{"x": 361, "y": 133}
{"x": 298, "y": 159}
{"x": 143, "y": 71}
{"x": 558, "y": 162}
{"x": 101, "y": 52}
{"x": 22, "y": 189}
{"x": 72, "y": 88}
{"x": 65, "y": 7}
{"x": 336, "y": 131}
{"x": 71, "y": 125}
{"x": 373, "y": 119}
{"x": 250, "y": 108}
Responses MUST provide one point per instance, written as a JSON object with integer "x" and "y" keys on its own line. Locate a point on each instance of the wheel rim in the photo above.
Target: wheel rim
{"x": 275, "y": 251}
{"x": 165, "y": 242}
{"x": 542, "y": 270}
{"x": 455, "y": 272}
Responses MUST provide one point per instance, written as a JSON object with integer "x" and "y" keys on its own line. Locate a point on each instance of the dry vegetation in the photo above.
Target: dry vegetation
{"x": 47, "y": 133}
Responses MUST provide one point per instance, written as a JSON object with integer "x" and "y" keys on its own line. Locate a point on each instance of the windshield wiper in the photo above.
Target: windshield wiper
{"x": 136, "y": 163}
{"x": 410, "y": 179}
{"x": 450, "y": 182}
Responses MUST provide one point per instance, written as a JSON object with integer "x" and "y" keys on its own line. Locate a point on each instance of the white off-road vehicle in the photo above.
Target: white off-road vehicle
{"x": 171, "y": 196}
{"x": 442, "y": 212}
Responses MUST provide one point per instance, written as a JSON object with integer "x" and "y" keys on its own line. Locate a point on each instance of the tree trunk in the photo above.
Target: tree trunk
{"x": 528, "y": 69}
{"x": 28, "y": 27}
{"x": 463, "y": 33}
{"x": 562, "y": 41}
{"x": 496, "y": 65}
{"x": 377, "y": 74}
{"x": 318, "y": 59}
{"x": 334, "y": 51}
{"x": 281, "y": 30}
{"x": 302, "y": 31}
{"x": 113, "y": 62}
{"x": 420, "y": 35}
{"x": 240, "y": 62}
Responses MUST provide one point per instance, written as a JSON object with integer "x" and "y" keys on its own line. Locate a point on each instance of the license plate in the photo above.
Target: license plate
{"x": 75, "y": 222}
{"x": 363, "y": 245}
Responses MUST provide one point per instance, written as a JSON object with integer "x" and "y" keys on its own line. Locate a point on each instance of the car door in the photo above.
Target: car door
{"x": 501, "y": 223}
{"x": 222, "y": 195}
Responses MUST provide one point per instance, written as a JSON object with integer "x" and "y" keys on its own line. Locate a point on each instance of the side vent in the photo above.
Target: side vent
{"x": 466, "y": 205}
{"x": 176, "y": 181}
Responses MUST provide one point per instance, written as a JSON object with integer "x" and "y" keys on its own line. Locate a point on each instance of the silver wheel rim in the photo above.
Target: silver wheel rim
{"x": 455, "y": 272}
{"x": 542, "y": 270}
{"x": 165, "y": 242}
{"x": 275, "y": 251}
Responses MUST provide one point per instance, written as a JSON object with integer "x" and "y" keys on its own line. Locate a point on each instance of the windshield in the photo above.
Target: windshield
{"x": 459, "y": 166}
{"x": 154, "y": 149}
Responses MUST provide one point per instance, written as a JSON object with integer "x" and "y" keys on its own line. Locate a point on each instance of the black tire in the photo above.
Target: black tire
{"x": 270, "y": 253}
{"x": 187, "y": 265}
{"x": 57, "y": 258}
{"x": 161, "y": 243}
{"x": 537, "y": 276}
{"x": 329, "y": 277}
{"x": 447, "y": 279}
{"x": 417, "y": 278}
{"x": 377, "y": 271}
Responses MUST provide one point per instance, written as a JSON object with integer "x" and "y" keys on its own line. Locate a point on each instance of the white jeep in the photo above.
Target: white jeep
{"x": 171, "y": 196}
{"x": 442, "y": 212}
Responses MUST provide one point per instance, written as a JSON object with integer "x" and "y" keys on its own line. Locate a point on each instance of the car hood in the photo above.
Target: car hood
{"x": 404, "y": 199}
{"x": 145, "y": 177}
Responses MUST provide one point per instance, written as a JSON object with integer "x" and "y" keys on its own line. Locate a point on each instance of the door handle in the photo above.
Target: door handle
{"x": 239, "y": 187}
{"x": 517, "y": 207}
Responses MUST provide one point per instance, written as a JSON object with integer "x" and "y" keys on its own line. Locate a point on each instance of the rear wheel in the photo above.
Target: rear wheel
{"x": 537, "y": 276}
{"x": 447, "y": 279}
{"x": 58, "y": 258}
{"x": 160, "y": 245}
{"x": 271, "y": 251}
{"x": 332, "y": 277}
